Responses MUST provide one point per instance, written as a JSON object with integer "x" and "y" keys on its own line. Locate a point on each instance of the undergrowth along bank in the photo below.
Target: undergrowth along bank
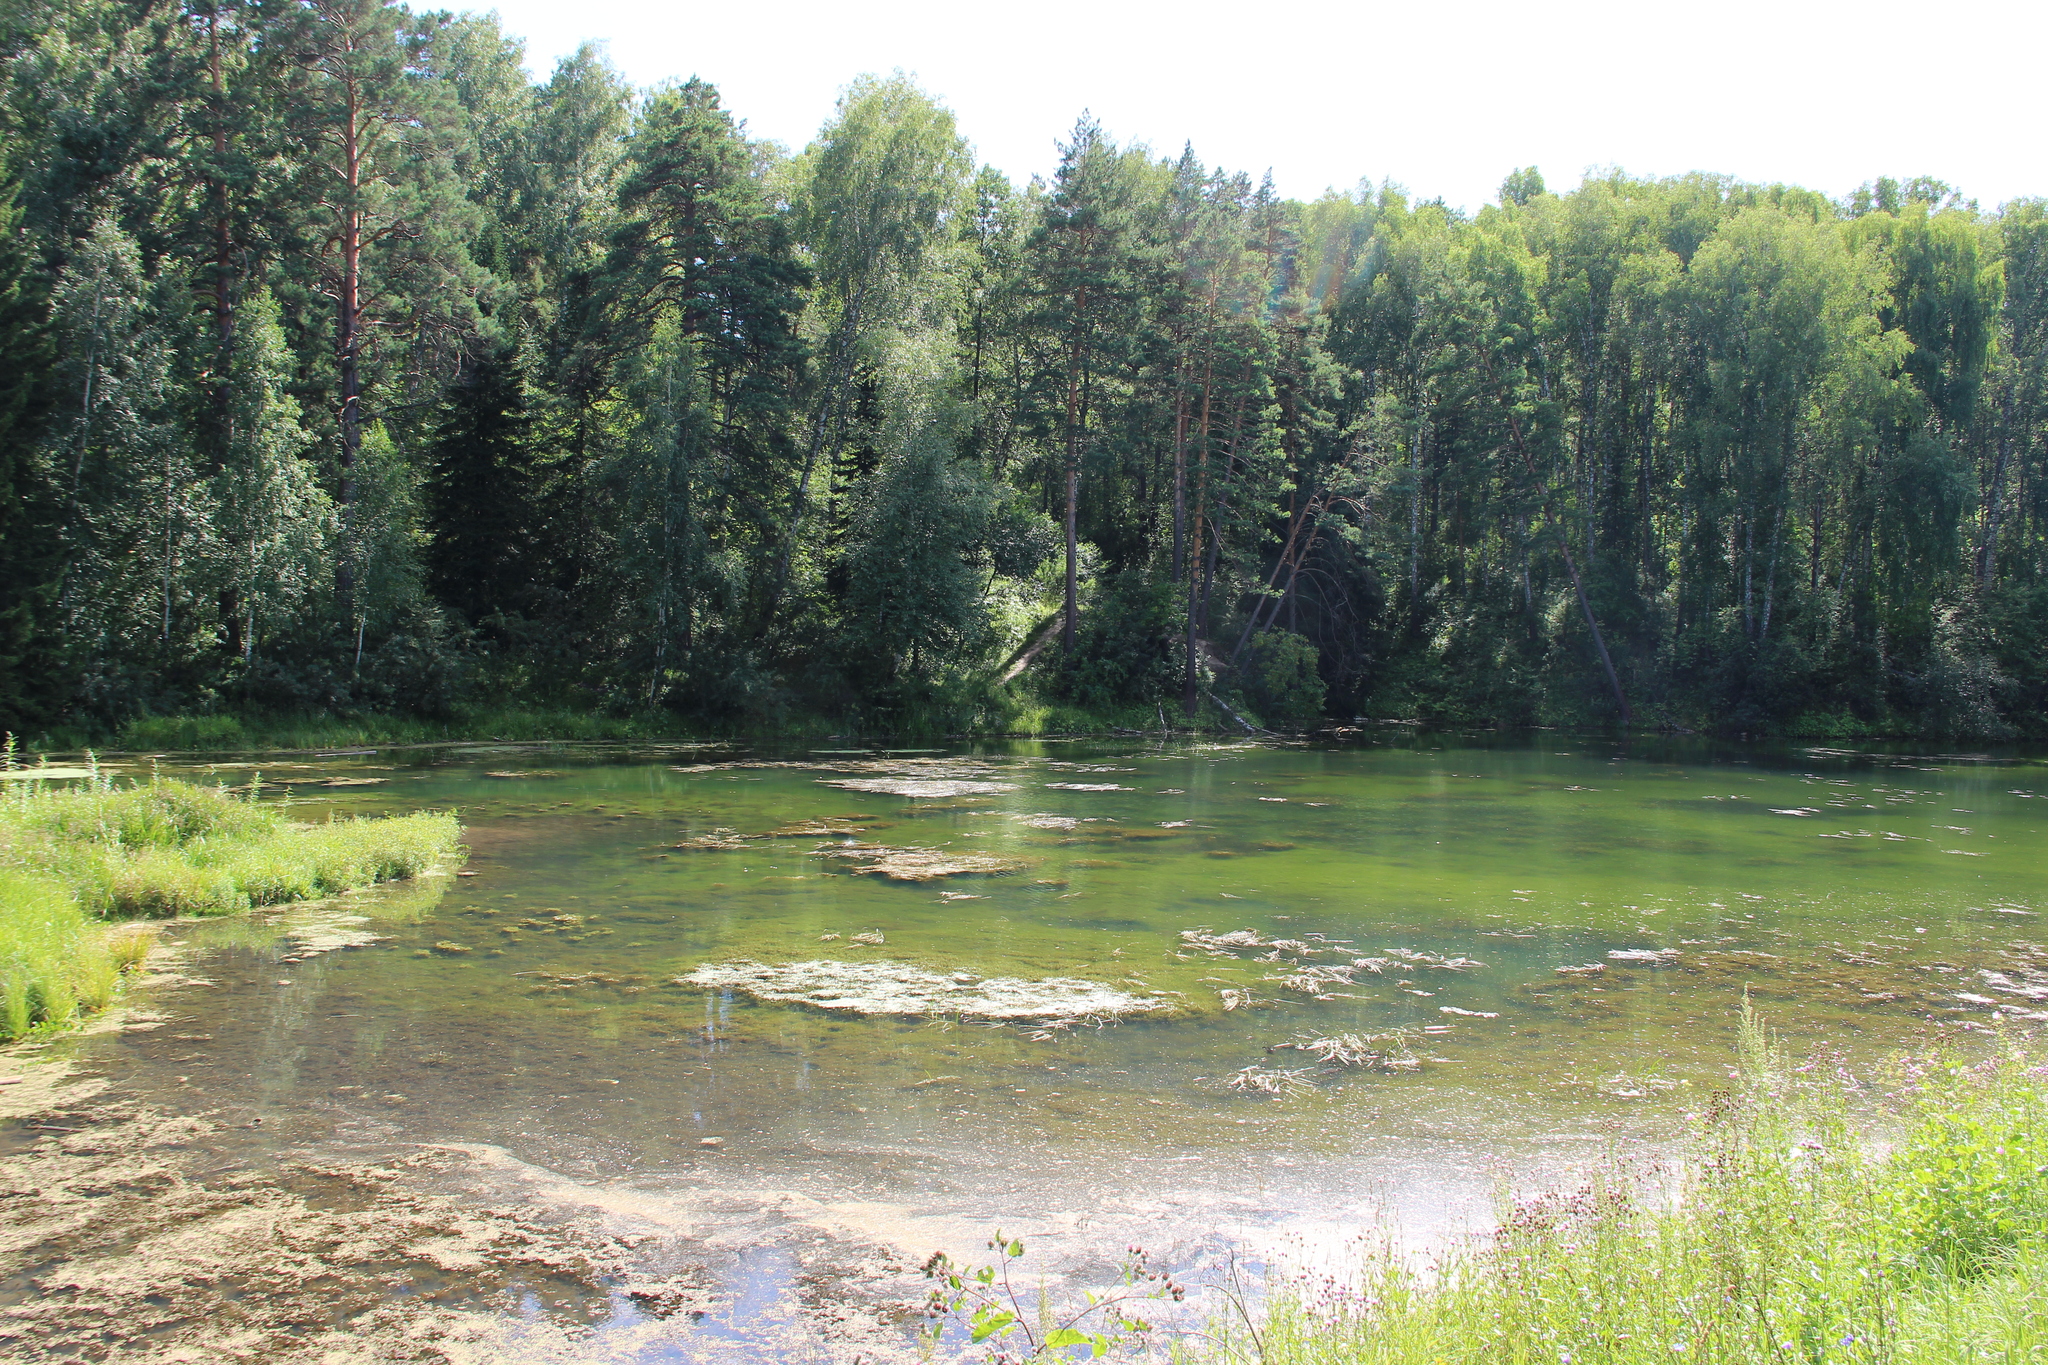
{"x": 1015, "y": 714}
{"x": 84, "y": 861}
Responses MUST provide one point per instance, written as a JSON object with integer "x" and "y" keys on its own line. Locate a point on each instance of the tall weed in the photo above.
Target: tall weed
{"x": 166, "y": 848}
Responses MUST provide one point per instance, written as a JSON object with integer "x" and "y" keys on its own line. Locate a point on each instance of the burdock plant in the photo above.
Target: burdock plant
{"x": 987, "y": 1303}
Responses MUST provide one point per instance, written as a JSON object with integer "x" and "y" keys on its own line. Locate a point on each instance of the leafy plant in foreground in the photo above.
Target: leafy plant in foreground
{"x": 1971, "y": 1180}
{"x": 988, "y": 1305}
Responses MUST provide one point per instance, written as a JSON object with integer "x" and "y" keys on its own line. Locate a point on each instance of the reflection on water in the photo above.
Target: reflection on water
{"x": 533, "y": 1008}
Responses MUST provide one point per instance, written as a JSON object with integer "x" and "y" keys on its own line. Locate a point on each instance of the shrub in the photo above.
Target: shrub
{"x": 1971, "y": 1180}
{"x": 162, "y": 814}
{"x": 1280, "y": 680}
{"x": 183, "y": 732}
{"x": 1780, "y": 1235}
{"x": 54, "y": 965}
{"x": 170, "y": 848}
{"x": 1124, "y": 645}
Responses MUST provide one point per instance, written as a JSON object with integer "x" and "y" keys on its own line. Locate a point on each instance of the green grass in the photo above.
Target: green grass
{"x": 57, "y": 963}
{"x": 1783, "y": 1236}
{"x": 75, "y": 860}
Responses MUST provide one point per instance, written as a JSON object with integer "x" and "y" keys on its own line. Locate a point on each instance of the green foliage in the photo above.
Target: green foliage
{"x": 185, "y": 733}
{"x": 481, "y": 495}
{"x": 350, "y": 370}
{"x": 161, "y": 814}
{"x": 1970, "y": 1179}
{"x": 73, "y": 857}
{"x": 913, "y": 595}
{"x": 1019, "y": 540}
{"x": 881, "y": 179}
{"x": 990, "y": 1309}
{"x": 170, "y": 848}
{"x": 1124, "y": 652}
{"x": 28, "y": 568}
{"x": 54, "y": 963}
{"x": 1280, "y": 679}
{"x": 273, "y": 524}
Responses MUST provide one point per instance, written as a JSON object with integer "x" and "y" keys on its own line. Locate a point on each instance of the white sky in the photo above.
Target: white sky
{"x": 1445, "y": 99}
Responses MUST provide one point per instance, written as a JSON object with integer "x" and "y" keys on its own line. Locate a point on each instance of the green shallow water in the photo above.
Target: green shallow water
{"x": 532, "y": 1007}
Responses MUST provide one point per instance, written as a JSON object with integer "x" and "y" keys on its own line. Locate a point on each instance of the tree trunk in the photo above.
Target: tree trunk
{"x": 1771, "y": 572}
{"x": 348, "y": 342}
{"x": 223, "y": 319}
{"x": 1190, "y": 695}
{"x": 1209, "y": 563}
{"x": 1070, "y": 610}
{"x": 1214, "y": 557}
{"x": 1415, "y": 521}
{"x": 1820, "y": 497}
{"x": 1180, "y": 482}
{"x": 826, "y": 429}
{"x": 1287, "y": 561}
{"x": 1748, "y": 561}
{"x": 170, "y": 547}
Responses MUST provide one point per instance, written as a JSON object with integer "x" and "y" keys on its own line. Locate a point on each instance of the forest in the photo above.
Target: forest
{"x": 345, "y": 369}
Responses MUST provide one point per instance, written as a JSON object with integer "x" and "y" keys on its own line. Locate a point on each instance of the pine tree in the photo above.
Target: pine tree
{"x": 378, "y": 133}
{"x": 1081, "y": 257}
{"x": 480, "y": 494}
{"x": 707, "y": 289}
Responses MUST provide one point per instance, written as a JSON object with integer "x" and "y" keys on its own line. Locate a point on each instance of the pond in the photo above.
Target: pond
{"x": 1537, "y": 947}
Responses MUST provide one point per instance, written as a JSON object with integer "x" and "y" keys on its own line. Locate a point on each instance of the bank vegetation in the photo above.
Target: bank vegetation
{"x": 1783, "y": 1232}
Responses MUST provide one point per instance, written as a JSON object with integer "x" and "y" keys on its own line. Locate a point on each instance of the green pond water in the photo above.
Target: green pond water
{"x": 531, "y": 1006}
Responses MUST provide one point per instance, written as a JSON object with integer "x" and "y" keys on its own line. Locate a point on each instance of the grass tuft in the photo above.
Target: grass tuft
{"x": 55, "y": 966}
{"x": 74, "y": 860}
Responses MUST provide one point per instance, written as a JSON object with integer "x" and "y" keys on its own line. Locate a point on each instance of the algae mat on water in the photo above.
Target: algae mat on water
{"x": 899, "y": 988}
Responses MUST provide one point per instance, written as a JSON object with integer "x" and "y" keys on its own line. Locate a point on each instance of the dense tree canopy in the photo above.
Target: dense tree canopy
{"x": 342, "y": 366}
